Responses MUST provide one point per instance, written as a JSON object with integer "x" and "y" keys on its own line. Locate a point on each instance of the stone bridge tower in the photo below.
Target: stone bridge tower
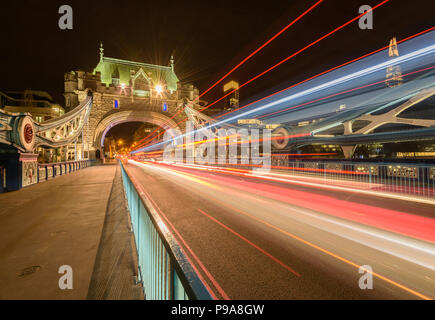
{"x": 125, "y": 91}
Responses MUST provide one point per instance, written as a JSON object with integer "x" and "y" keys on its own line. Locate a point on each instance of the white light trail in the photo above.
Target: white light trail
{"x": 364, "y": 72}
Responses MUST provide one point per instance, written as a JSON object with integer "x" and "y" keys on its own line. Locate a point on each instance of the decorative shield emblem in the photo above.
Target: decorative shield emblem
{"x": 26, "y": 131}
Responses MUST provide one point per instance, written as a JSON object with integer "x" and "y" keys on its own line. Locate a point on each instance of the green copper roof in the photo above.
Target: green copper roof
{"x": 117, "y": 68}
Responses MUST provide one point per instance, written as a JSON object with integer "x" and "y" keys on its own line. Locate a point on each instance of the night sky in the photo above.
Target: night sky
{"x": 207, "y": 38}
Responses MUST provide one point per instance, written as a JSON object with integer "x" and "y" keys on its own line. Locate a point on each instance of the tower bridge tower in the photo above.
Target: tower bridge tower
{"x": 127, "y": 91}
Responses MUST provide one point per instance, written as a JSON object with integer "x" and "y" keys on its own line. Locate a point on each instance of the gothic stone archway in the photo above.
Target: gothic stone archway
{"x": 130, "y": 116}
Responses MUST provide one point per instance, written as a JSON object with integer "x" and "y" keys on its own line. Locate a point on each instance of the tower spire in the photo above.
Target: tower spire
{"x": 101, "y": 51}
{"x": 393, "y": 51}
{"x": 172, "y": 62}
{"x": 393, "y": 76}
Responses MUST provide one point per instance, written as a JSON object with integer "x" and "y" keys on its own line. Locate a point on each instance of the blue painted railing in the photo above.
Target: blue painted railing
{"x": 163, "y": 267}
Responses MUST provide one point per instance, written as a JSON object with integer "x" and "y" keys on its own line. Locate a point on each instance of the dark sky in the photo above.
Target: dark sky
{"x": 206, "y": 37}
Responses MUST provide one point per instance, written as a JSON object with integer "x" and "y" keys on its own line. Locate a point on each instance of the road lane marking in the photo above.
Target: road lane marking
{"x": 362, "y": 218}
{"x": 252, "y": 244}
{"x": 157, "y": 208}
{"x": 403, "y": 287}
{"x": 212, "y": 279}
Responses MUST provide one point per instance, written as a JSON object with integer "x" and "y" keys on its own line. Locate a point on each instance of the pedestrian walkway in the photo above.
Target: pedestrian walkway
{"x": 60, "y": 222}
{"x": 116, "y": 261}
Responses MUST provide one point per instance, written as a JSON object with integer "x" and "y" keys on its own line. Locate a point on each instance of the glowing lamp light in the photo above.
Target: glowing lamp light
{"x": 123, "y": 86}
{"x": 158, "y": 88}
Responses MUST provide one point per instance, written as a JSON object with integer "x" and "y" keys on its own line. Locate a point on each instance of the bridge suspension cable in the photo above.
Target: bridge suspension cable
{"x": 23, "y": 133}
{"x": 65, "y": 129}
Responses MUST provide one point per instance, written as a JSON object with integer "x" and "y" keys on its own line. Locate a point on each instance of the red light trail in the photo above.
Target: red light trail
{"x": 315, "y": 76}
{"x": 339, "y": 93}
{"x": 422, "y": 227}
{"x": 294, "y": 54}
{"x": 261, "y": 47}
{"x": 326, "y": 71}
{"x": 142, "y": 193}
{"x": 316, "y": 100}
{"x": 247, "y": 58}
{"x": 276, "y": 65}
{"x": 250, "y": 243}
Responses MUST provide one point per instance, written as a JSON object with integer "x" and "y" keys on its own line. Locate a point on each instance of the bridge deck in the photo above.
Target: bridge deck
{"x": 72, "y": 220}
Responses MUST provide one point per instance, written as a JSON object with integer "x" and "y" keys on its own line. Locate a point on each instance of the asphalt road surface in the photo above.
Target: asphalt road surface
{"x": 257, "y": 238}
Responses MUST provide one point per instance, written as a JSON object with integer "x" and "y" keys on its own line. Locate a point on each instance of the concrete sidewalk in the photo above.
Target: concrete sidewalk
{"x": 55, "y": 223}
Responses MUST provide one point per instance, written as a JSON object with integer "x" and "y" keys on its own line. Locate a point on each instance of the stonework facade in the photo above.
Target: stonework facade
{"x": 125, "y": 91}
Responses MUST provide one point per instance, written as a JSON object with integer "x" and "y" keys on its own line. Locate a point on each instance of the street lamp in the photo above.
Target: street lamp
{"x": 158, "y": 88}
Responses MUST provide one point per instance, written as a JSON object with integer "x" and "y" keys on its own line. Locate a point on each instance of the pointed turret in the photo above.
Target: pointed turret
{"x": 172, "y": 62}
{"x": 393, "y": 50}
{"x": 101, "y": 52}
{"x": 393, "y": 76}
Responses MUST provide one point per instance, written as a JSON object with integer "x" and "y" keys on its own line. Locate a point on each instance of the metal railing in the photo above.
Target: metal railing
{"x": 406, "y": 178}
{"x": 47, "y": 171}
{"x": 164, "y": 270}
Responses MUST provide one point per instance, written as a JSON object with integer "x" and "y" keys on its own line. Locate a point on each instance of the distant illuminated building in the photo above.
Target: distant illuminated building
{"x": 232, "y": 101}
{"x": 39, "y": 104}
{"x": 110, "y": 148}
{"x": 42, "y": 107}
{"x": 394, "y": 74}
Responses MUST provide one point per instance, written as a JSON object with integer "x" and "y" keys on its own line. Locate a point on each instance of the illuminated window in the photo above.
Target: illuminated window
{"x": 116, "y": 103}
{"x": 142, "y": 93}
{"x": 165, "y": 106}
